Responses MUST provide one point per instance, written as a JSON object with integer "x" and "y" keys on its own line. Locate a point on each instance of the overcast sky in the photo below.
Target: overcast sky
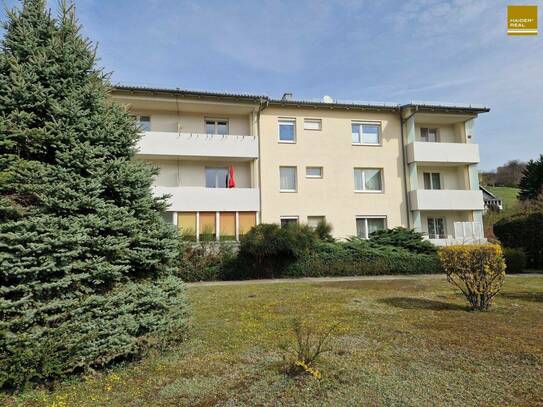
{"x": 389, "y": 50}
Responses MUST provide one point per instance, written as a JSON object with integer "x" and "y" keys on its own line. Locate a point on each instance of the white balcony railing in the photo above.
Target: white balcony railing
{"x": 198, "y": 145}
{"x": 445, "y": 153}
{"x": 464, "y": 233}
{"x": 210, "y": 199}
{"x": 446, "y": 199}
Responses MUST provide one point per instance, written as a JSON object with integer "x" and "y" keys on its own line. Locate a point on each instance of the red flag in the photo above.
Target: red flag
{"x": 231, "y": 180}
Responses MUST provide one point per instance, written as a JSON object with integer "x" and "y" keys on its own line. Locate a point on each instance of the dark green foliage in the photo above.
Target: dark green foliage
{"x": 515, "y": 260}
{"x": 404, "y": 238}
{"x": 204, "y": 261}
{"x": 359, "y": 258}
{"x": 84, "y": 253}
{"x": 267, "y": 249}
{"x": 324, "y": 231}
{"x": 524, "y": 232}
{"x": 531, "y": 183}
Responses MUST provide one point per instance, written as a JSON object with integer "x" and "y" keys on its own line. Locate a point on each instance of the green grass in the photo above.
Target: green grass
{"x": 507, "y": 194}
{"x": 401, "y": 342}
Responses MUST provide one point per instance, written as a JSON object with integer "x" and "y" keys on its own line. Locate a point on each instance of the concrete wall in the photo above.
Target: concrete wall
{"x": 448, "y": 133}
{"x": 332, "y": 196}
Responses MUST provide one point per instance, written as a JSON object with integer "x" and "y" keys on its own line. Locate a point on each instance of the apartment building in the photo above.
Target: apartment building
{"x": 230, "y": 161}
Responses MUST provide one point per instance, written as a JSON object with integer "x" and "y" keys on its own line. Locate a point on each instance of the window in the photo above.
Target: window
{"x": 287, "y": 179}
{"x": 207, "y": 225}
{"x": 366, "y": 133}
{"x": 186, "y": 223}
{"x": 432, "y": 180}
{"x": 142, "y": 122}
{"x": 429, "y": 135}
{"x": 313, "y": 172}
{"x": 227, "y": 228}
{"x": 312, "y": 124}
{"x": 288, "y": 220}
{"x": 365, "y": 226}
{"x": 287, "y": 131}
{"x": 436, "y": 228}
{"x": 216, "y": 177}
{"x": 247, "y": 220}
{"x": 367, "y": 179}
{"x": 216, "y": 126}
{"x": 313, "y": 221}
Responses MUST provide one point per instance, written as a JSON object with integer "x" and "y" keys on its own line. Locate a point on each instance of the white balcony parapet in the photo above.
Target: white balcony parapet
{"x": 210, "y": 199}
{"x": 464, "y": 233}
{"x": 449, "y": 153}
{"x": 446, "y": 200}
{"x": 198, "y": 145}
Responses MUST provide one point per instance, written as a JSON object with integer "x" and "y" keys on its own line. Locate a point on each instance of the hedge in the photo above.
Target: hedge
{"x": 524, "y": 232}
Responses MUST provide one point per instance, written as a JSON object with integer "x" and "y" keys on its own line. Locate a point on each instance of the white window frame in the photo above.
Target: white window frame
{"x": 316, "y": 121}
{"x": 365, "y": 218}
{"x": 286, "y": 120}
{"x": 369, "y": 191}
{"x": 428, "y": 131}
{"x": 432, "y": 181}
{"x": 367, "y": 123}
{"x": 216, "y": 173}
{"x": 314, "y": 176}
{"x": 138, "y": 117}
{"x": 322, "y": 218}
{"x": 444, "y": 227}
{"x": 295, "y": 179}
{"x": 215, "y": 121}
{"x": 295, "y": 218}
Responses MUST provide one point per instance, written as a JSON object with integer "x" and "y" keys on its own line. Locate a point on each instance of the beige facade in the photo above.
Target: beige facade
{"x": 359, "y": 166}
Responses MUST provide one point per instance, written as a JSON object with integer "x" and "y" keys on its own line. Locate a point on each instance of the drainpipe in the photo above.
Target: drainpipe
{"x": 263, "y": 104}
{"x": 404, "y": 168}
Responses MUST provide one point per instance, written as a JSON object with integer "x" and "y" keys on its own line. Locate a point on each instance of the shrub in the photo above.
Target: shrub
{"x": 524, "y": 232}
{"x": 359, "y": 258}
{"x": 204, "y": 261}
{"x": 477, "y": 270}
{"x": 515, "y": 260}
{"x": 267, "y": 249}
{"x": 405, "y": 238}
{"x": 324, "y": 231}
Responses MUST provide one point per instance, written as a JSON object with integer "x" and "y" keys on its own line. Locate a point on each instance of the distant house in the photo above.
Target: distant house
{"x": 492, "y": 202}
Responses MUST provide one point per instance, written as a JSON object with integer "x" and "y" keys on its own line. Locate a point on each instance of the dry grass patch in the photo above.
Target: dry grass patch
{"x": 399, "y": 342}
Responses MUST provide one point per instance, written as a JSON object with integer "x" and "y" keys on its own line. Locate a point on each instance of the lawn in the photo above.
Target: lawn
{"x": 507, "y": 194}
{"x": 400, "y": 342}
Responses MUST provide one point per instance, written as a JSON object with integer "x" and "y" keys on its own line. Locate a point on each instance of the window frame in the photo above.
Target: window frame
{"x": 444, "y": 227}
{"x": 361, "y": 124}
{"x": 365, "y": 218}
{"x": 292, "y": 122}
{"x": 137, "y": 118}
{"x": 314, "y": 176}
{"x": 216, "y": 121}
{"x": 216, "y": 174}
{"x": 437, "y": 140}
{"x": 321, "y": 218}
{"x": 288, "y": 218}
{"x": 431, "y": 177}
{"x": 295, "y": 179}
{"x": 369, "y": 191}
{"x": 313, "y": 120}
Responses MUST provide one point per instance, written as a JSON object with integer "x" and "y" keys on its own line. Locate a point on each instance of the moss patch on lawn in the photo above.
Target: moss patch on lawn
{"x": 399, "y": 342}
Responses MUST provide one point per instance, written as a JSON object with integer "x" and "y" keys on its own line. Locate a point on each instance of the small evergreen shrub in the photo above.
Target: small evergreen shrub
{"x": 524, "y": 232}
{"x": 477, "y": 270}
{"x": 267, "y": 249}
{"x": 324, "y": 231}
{"x": 405, "y": 238}
{"x": 204, "y": 261}
{"x": 515, "y": 260}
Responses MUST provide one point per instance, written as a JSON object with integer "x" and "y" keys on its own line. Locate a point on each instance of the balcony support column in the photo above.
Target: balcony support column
{"x": 416, "y": 221}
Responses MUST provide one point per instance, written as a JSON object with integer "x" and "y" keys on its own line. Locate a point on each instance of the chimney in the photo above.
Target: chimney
{"x": 287, "y": 96}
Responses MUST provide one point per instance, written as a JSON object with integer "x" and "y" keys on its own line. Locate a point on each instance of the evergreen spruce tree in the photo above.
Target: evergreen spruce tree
{"x": 86, "y": 261}
{"x": 531, "y": 183}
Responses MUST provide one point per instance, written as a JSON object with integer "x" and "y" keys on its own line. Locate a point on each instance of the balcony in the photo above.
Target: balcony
{"x": 464, "y": 233}
{"x": 210, "y": 199}
{"x": 446, "y": 200}
{"x": 442, "y": 153}
{"x": 155, "y": 143}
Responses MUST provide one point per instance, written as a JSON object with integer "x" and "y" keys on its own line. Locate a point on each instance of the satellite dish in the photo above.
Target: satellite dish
{"x": 327, "y": 99}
